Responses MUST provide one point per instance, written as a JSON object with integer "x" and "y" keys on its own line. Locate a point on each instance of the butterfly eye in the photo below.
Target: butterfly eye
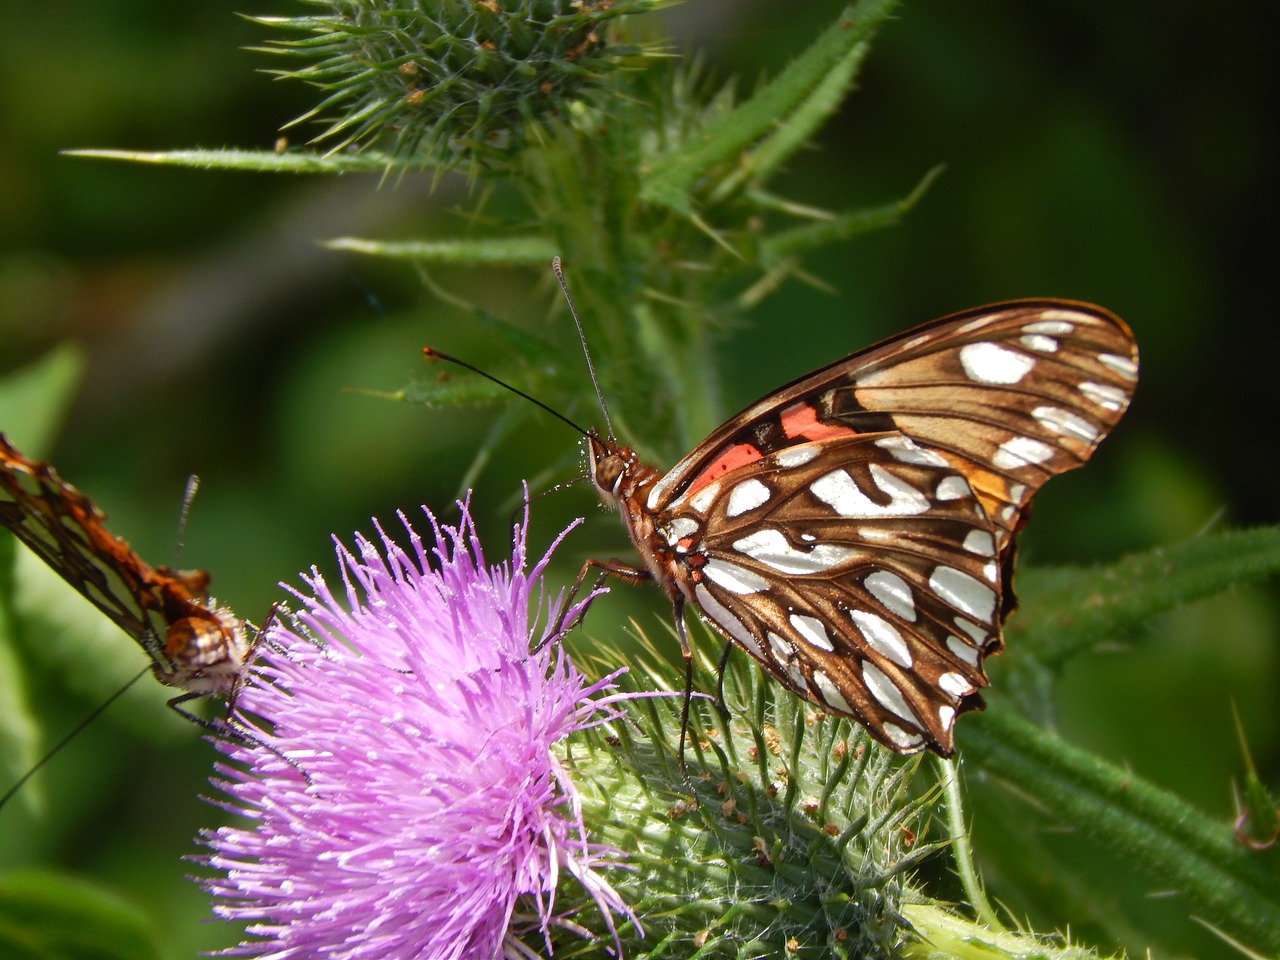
{"x": 607, "y": 473}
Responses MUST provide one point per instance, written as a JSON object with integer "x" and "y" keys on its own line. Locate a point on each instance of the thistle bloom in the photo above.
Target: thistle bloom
{"x": 396, "y": 761}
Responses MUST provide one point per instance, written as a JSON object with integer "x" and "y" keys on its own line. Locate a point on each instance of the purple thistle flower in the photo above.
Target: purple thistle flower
{"x": 397, "y": 765}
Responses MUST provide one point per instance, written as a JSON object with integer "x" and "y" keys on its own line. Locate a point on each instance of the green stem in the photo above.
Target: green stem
{"x": 961, "y": 848}
{"x": 1165, "y": 836}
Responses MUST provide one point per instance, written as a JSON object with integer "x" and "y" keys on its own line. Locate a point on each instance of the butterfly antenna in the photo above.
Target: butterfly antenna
{"x": 582, "y": 338}
{"x": 188, "y": 498}
{"x": 75, "y": 732}
{"x": 431, "y": 353}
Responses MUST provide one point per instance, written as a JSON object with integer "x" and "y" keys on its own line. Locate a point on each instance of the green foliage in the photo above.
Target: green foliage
{"x": 670, "y": 247}
{"x": 1070, "y": 611}
{"x": 45, "y": 916}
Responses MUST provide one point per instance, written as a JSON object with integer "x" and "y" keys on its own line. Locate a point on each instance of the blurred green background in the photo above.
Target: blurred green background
{"x": 1116, "y": 153}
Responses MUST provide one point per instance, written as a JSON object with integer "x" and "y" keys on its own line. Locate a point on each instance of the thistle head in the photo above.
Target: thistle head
{"x": 437, "y": 81}
{"x": 396, "y": 758}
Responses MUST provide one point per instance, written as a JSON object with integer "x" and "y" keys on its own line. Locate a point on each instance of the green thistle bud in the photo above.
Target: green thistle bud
{"x": 436, "y": 81}
{"x": 799, "y": 843}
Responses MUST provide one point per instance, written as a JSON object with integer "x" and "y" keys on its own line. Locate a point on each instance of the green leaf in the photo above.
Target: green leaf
{"x": 19, "y": 729}
{"x": 941, "y": 935}
{"x": 34, "y": 400}
{"x": 1075, "y": 609}
{"x": 1174, "y": 843}
{"x": 500, "y": 251}
{"x": 799, "y": 240}
{"x": 791, "y": 133}
{"x": 670, "y": 179}
{"x": 1258, "y": 822}
{"x": 258, "y": 161}
{"x": 46, "y": 916}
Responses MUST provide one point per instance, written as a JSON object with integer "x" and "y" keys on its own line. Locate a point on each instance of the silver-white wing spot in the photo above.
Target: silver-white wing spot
{"x": 746, "y": 496}
{"x": 678, "y": 528}
{"x": 882, "y": 637}
{"x": 813, "y": 630}
{"x": 980, "y": 542}
{"x": 886, "y": 692}
{"x": 1066, "y": 423}
{"x": 838, "y": 490}
{"x": 1040, "y": 343}
{"x": 954, "y": 685}
{"x": 833, "y": 697}
{"x": 727, "y": 622}
{"x": 976, "y": 631}
{"x": 1124, "y": 366}
{"x": 967, "y": 594}
{"x": 994, "y": 363}
{"x": 772, "y": 548}
{"x": 784, "y": 651}
{"x": 1104, "y": 395}
{"x": 954, "y": 487}
{"x": 702, "y": 500}
{"x": 1021, "y": 452}
{"x": 902, "y": 740}
{"x": 1054, "y": 328}
{"x": 735, "y": 579}
{"x": 963, "y": 651}
{"x": 796, "y": 456}
{"x": 906, "y": 450}
{"x": 893, "y": 592}
{"x": 946, "y": 716}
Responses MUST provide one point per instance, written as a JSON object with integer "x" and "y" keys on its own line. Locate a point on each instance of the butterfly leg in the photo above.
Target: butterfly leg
{"x": 720, "y": 668}
{"x": 226, "y": 727}
{"x": 606, "y": 568}
{"x": 175, "y": 704}
{"x": 677, "y": 613}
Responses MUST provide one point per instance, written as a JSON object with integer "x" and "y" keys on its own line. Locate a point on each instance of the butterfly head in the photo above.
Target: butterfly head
{"x": 609, "y": 463}
{"x": 616, "y": 472}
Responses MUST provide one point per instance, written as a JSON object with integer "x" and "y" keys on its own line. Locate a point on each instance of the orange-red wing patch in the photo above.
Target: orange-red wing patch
{"x": 800, "y": 421}
{"x": 738, "y": 455}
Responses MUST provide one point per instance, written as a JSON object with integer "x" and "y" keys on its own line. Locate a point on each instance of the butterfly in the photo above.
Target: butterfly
{"x": 854, "y": 530}
{"x": 194, "y": 645}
